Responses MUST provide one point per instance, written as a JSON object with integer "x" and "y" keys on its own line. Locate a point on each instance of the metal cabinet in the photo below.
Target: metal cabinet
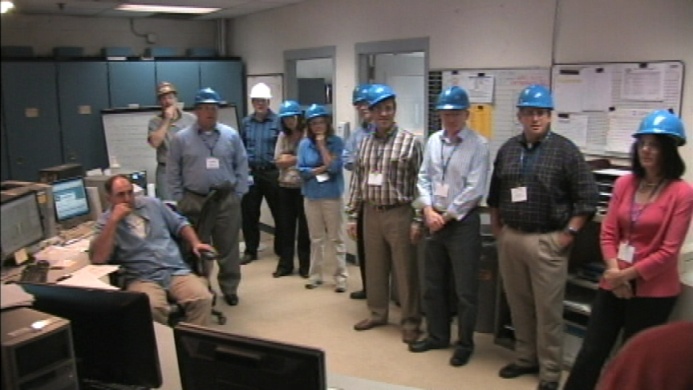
{"x": 132, "y": 82}
{"x": 4, "y": 162}
{"x": 29, "y": 98}
{"x": 185, "y": 75}
{"x": 83, "y": 93}
{"x": 225, "y": 77}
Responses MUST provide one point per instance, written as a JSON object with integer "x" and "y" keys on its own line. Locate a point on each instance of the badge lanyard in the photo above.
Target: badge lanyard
{"x": 635, "y": 213}
{"x": 211, "y": 148}
{"x": 447, "y": 162}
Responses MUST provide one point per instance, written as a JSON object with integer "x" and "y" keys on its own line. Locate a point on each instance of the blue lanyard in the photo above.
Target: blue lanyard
{"x": 447, "y": 162}
{"x": 636, "y": 212}
{"x": 211, "y": 148}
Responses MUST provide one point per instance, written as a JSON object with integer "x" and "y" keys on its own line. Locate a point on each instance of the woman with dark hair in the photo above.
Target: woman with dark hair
{"x": 641, "y": 237}
{"x": 291, "y": 213}
{"x": 320, "y": 164}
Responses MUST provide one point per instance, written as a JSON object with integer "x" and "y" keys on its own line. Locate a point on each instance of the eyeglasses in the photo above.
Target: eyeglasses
{"x": 532, "y": 112}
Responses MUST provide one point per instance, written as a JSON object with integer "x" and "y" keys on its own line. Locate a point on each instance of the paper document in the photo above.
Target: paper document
{"x": 59, "y": 256}
{"x": 14, "y": 296}
{"x": 96, "y": 271}
{"x": 481, "y": 119}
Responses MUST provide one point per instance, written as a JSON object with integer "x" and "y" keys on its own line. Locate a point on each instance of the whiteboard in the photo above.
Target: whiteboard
{"x": 276, "y": 84}
{"x": 611, "y": 123}
{"x": 125, "y": 131}
{"x": 507, "y": 87}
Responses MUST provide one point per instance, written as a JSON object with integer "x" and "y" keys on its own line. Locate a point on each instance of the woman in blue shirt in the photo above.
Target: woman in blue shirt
{"x": 320, "y": 166}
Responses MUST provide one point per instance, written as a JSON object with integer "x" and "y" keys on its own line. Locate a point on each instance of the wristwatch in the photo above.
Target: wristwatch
{"x": 572, "y": 231}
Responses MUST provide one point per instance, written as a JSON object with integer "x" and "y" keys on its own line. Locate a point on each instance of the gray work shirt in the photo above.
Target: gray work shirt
{"x": 186, "y": 119}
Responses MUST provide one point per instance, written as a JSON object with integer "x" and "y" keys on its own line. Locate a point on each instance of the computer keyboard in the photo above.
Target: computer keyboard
{"x": 36, "y": 273}
{"x": 80, "y": 231}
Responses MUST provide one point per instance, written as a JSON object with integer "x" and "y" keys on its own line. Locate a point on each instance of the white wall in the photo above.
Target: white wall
{"x": 44, "y": 32}
{"x": 476, "y": 34}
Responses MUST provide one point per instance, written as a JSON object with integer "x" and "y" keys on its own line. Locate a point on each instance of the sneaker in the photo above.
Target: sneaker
{"x": 313, "y": 284}
{"x": 340, "y": 287}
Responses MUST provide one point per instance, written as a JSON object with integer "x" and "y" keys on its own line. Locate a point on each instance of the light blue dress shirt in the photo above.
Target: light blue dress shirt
{"x": 461, "y": 163}
{"x": 309, "y": 158}
{"x": 155, "y": 256}
{"x": 188, "y": 157}
{"x": 260, "y": 138}
{"x": 351, "y": 149}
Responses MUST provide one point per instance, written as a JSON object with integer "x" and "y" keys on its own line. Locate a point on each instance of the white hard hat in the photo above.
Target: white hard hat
{"x": 260, "y": 91}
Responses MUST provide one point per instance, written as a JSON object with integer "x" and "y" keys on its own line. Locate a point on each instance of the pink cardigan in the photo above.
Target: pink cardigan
{"x": 657, "y": 237}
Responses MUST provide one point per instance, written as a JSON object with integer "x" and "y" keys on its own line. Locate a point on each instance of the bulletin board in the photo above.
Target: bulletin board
{"x": 600, "y": 105}
{"x": 125, "y": 132}
{"x": 276, "y": 84}
{"x": 493, "y": 96}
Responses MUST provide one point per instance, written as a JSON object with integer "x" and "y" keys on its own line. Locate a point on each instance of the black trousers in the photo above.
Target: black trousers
{"x": 265, "y": 185}
{"x": 609, "y": 315}
{"x": 455, "y": 251}
{"x": 292, "y": 220}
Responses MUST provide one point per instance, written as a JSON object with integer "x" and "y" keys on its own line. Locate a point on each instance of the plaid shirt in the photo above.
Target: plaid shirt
{"x": 559, "y": 184}
{"x": 398, "y": 158}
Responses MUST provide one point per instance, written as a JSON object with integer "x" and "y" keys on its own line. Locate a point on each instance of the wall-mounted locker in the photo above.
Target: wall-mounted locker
{"x": 132, "y": 82}
{"x": 225, "y": 77}
{"x": 83, "y": 93}
{"x": 185, "y": 75}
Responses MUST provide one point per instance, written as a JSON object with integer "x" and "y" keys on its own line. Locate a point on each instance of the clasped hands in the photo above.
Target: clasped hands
{"x": 620, "y": 286}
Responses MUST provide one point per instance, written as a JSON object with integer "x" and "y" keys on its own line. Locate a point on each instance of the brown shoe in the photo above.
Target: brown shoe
{"x": 368, "y": 324}
{"x": 410, "y": 335}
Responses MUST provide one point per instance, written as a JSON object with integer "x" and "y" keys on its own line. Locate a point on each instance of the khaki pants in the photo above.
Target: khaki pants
{"x": 189, "y": 291}
{"x": 324, "y": 218}
{"x": 389, "y": 250}
{"x": 534, "y": 270}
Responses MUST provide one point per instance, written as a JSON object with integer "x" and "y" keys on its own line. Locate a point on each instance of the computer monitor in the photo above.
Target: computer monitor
{"x": 21, "y": 223}
{"x": 71, "y": 202}
{"x": 112, "y": 331}
{"x": 211, "y": 359}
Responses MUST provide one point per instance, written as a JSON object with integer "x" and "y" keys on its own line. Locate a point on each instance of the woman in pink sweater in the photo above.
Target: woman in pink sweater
{"x": 641, "y": 238}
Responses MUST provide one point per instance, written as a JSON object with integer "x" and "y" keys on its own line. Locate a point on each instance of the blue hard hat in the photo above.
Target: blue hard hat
{"x": 535, "y": 96}
{"x": 663, "y": 122}
{"x": 289, "y": 108}
{"x": 316, "y": 110}
{"x": 453, "y": 98}
{"x": 360, "y": 94}
{"x": 379, "y": 92}
{"x": 207, "y": 95}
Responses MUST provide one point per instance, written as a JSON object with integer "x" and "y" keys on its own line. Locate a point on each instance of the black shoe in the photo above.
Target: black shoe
{"x": 248, "y": 258}
{"x": 460, "y": 357}
{"x": 280, "y": 272}
{"x": 304, "y": 273}
{"x": 231, "y": 299}
{"x": 512, "y": 370}
{"x": 425, "y": 345}
{"x": 358, "y": 295}
{"x": 546, "y": 385}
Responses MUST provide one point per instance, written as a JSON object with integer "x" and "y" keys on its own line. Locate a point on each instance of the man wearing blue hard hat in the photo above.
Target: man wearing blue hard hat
{"x": 384, "y": 183}
{"x": 359, "y": 100}
{"x": 207, "y": 163}
{"x": 452, "y": 183}
{"x": 542, "y": 193}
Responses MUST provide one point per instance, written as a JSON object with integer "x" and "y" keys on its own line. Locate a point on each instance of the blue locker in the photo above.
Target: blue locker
{"x": 83, "y": 93}
{"x": 132, "y": 82}
{"x": 185, "y": 75}
{"x": 5, "y": 162}
{"x": 29, "y": 99}
{"x": 225, "y": 77}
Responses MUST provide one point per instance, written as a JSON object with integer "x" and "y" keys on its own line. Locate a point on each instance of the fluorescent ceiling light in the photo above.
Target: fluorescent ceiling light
{"x": 6, "y": 6}
{"x": 169, "y": 9}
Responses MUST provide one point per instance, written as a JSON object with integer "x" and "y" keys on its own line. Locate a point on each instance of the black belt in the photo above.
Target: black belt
{"x": 387, "y": 206}
{"x": 161, "y": 164}
{"x": 196, "y": 193}
{"x": 532, "y": 229}
{"x": 263, "y": 167}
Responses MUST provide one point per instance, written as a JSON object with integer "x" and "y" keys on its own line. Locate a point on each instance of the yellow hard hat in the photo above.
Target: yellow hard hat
{"x": 164, "y": 88}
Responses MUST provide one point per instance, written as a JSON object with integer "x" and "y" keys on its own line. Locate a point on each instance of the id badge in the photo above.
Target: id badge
{"x": 322, "y": 177}
{"x": 518, "y": 194}
{"x": 212, "y": 163}
{"x": 375, "y": 179}
{"x": 442, "y": 190}
{"x": 626, "y": 252}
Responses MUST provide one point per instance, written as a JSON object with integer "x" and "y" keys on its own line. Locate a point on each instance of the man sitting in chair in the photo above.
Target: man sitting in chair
{"x": 138, "y": 234}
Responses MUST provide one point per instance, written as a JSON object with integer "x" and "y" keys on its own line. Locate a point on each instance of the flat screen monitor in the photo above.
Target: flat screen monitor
{"x": 71, "y": 202}
{"x": 112, "y": 331}
{"x": 21, "y": 223}
{"x": 210, "y": 359}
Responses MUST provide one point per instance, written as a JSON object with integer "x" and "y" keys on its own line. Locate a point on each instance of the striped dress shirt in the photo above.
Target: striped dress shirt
{"x": 461, "y": 163}
{"x": 397, "y": 156}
